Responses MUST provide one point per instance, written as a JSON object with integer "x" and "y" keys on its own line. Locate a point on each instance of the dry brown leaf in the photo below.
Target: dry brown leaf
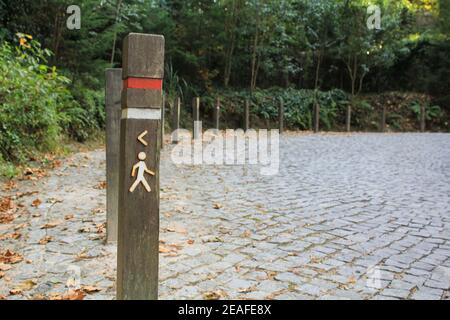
{"x": 90, "y": 289}
{"x": 36, "y": 203}
{"x": 15, "y": 292}
{"x": 70, "y": 295}
{"x": 46, "y": 240}
{"x": 352, "y": 280}
{"x": 50, "y": 225}
{"x": 217, "y": 206}
{"x": 20, "y": 226}
{"x": 246, "y": 234}
{"x": 214, "y": 295}
{"x": 68, "y": 217}
{"x": 101, "y": 228}
{"x": 8, "y": 186}
{"x": 190, "y": 241}
{"x": 14, "y": 236}
{"x": 25, "y": 286}
{"x": 25, "y": 194}
{"x": 4, "y": 267}
{"x": 2, "y": 297}
{"x": 176, "y": 229}
{"x": 10, "y": 257}
{"x": 101, "y": 185}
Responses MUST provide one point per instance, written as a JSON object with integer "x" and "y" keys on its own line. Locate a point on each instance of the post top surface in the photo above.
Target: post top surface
{"x": 143, "y": 56}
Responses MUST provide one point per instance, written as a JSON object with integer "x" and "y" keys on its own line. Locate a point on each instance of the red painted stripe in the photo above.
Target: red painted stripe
{"x": 143, "y": 83}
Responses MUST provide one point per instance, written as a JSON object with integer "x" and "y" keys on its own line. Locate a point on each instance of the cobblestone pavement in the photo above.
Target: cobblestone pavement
{"x": 361, "y": 216}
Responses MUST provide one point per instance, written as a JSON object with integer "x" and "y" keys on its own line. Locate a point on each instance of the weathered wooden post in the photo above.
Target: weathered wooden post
{"x": 138, "y": 237}
{"x": 163, "y": 119}
{"x": 316, "y": 116}
{"x": 176, "y": 119}
{"x": 422, "y": 117}
{"x": 348, "y": 117}
{"x": 113, "y": 93}
{"x": 247, "y": 115}
{"x": 383, "y": 119}
{"x": 281, "y": 116}
{"x": 195, "y": 115}
{"x": 217, "y": 114}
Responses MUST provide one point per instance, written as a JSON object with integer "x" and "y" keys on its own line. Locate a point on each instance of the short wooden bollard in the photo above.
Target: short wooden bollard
{"x": 217, "y": 115}
{"x": 383, "y": 119}
{"x": 176, "y": 119}
{"x": 281, "y": 116}
{"x": 348, "y": 118}
{"x": 195, "y": 115}
{"x": 247, "y": 115}
{"x": 163, "y": 119}
{"x": 422, "y": 118}
{"x": 138, "y": 237}
{"x": 113, "y": 93}
{"x": 316, "y": 116}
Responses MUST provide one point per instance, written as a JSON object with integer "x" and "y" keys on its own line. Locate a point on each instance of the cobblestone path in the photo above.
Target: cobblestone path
{"x": 361, "y": 216}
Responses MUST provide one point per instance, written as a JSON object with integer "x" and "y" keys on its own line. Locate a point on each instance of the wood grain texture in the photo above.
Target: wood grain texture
{"x": 281, "y": 116}
{"x": 176, "y": 119}
{"x": 143, "y": 56}
{"x": 113, "y": 89}
{"x": 138, "y": 237}
{"x": 246, "y": 115}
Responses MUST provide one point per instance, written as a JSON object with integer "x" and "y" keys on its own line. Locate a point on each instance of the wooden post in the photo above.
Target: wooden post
{"x": 138, "y": 237}
{"x": 348, "y": 117}
{"x": 163, "y": 119}
{"x": 281, "y": 116}
{"x": 195, "y": 115}
{"x": 113, "y": 92}
{"x": 316, "y": 116}
{"x": 217, "y": 114}
{"x": 422, "y": 118}
{"x": 246, "y": 115}
{"x": 383, "y": 119}
{"x": 176, "y": 119}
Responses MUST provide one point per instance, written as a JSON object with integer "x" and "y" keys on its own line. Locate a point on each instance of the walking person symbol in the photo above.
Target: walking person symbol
{"x": 141, "y": 167}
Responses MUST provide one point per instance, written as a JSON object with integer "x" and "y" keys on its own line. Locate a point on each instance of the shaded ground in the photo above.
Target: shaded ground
{"x": 352, "y": 217}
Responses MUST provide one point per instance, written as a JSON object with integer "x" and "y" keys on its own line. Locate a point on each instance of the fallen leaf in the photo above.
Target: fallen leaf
{"x": 14, "y": 292}
{"x": 90, "y": 289}
{"x": 214, "y": 295}
{"x": 2, "y": 297}
{"x": 10, "y": 257}
{"x": 8, "y": 186}
{"x": 46, "y": 240}
{"x": 176, "y": 229}
{"x": 68, "y": 217}
{"x": 14, "y": 235}
{"x": 352, "y": 280}
{"x": 20, "y": 226}
{"x": 70, "y": 295}
{"x": 36, "y": 203}
{"x": 25, "y": 286}
{"x": 217, "y": 206}
{"x": 4, "y": 267}
{"x": 50, "y": 225}
{"x": 24, "y": 194}
{"x": 2, "y": 274}
{"x": 101, "y": 185}
{"x": 190, "y": 241}
{"x": 246, "y": 234}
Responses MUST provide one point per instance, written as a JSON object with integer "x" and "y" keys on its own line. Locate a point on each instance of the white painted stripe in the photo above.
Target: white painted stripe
{"x": 138, "y": 113}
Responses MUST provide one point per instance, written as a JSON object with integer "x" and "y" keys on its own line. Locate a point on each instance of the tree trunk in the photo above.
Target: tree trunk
{"x": 113, "y": 51}
{"x": 349, "y": 117}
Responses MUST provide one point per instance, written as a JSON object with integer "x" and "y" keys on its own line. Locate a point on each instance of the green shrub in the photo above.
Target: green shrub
{"x": 31, "y": 97}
